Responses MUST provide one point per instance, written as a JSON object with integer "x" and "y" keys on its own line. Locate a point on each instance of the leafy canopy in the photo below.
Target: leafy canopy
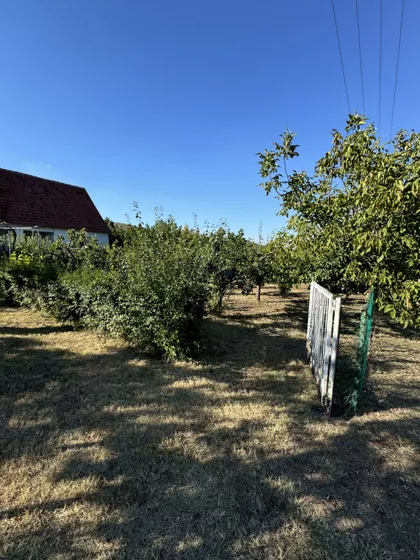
{"x": 359, "y": 213}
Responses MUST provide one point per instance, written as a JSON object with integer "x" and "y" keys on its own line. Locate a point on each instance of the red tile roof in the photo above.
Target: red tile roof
{"x": 26, "y": 200}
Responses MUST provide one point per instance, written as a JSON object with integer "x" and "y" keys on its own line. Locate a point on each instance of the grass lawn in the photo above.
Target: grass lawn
{"x": 108, "y": 454}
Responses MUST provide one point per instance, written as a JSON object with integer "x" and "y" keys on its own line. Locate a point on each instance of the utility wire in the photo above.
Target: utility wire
{"x": 396, "y": 71}
{"x": 360, "y": 56}
{"x": 380, "y": 62}
{"x": 341, "y": 57}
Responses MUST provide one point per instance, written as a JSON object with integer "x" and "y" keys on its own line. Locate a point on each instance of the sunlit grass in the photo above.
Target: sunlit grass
{"x": 108, "y": 454}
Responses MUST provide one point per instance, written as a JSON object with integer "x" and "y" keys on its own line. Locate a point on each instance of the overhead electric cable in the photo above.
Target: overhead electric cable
{"x": 341, "y": 57}
{"x": 396, "y": 71}
{"x": 380, "y": 63}
{"x": 360, "y": 56}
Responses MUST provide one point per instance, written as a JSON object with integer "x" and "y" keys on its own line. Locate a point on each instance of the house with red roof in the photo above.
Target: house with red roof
{"x": 30, "y": 204}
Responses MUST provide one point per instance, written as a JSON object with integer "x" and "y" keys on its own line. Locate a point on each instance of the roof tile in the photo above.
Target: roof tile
{"x": 26, "y": 200}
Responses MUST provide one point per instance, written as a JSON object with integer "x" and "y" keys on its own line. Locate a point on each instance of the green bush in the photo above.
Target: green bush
{"x": 153, "y": 292}
{"x": 224, "y": 264}
{"x": 25, "y": 276}
{"x": 234, "y": 262}
{"x": 4, "y": 292}
{"x": 167, "y": 269}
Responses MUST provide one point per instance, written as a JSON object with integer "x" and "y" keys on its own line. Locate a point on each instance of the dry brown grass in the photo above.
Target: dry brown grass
{"x": 106, "y": 454}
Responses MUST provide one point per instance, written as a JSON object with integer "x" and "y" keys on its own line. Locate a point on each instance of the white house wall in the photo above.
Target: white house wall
{"x": 103, "y": 238}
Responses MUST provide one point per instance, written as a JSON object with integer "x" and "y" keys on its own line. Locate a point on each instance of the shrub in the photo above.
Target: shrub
{"x": 167, "y": 286}
{"x": 234, "y": 261}
{"x": 152, "y": 292}
{"x": 4, "y": 292}
{"x": 25, "y": 277}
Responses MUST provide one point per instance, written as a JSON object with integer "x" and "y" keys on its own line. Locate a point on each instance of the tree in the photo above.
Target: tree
{"x": 228, "y": 264}
{"x": 120, "y": 233}
{"x": 360, "y": 210}
{"x": 286, "y": 260}
{"x": 259, "y": 266}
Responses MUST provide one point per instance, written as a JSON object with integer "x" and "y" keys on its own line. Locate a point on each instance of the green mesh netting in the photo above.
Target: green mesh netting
{"x": 366, "y": 322}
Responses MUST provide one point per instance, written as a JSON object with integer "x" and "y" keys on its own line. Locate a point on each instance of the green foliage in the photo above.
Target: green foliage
{"x": 24, "y": 275}
{"x": 359, "y": 215}
{"x": 120, "y": 233}
{"x": 228, "y": 265}
{"x": 79, "y": 250}
{"x": 31, "y": 245}
{"x": 32, "y": 273}
{"x": 286, "y": 269}
{"x": 235, "y": 262}
{"x": 259, "y": 264}
{"x": 152, "y": 292}
{"x": 7, "y": 240}
{"x": 151, "y": 287}
{"x": 167, "y": 270}
{"x": 4, "y": 282}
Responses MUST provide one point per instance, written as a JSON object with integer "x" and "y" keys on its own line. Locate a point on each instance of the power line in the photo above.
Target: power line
{"x": 360, "y": 56}
{"x": 396, "y": 71}
{"x": 341, "y": 57}
{"x": 380, "y": 62}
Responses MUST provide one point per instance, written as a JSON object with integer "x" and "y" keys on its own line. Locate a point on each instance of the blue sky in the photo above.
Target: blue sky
{"x": 167, "y": 102}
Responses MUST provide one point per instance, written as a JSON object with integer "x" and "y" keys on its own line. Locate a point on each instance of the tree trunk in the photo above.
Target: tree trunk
{"x": 258, "y": 294}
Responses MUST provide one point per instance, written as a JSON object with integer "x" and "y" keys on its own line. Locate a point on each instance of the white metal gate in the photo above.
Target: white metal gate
{"x": 322, "y": 339}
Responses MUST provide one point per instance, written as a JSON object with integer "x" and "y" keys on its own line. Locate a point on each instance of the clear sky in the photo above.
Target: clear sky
{"x": 167, "y": 102}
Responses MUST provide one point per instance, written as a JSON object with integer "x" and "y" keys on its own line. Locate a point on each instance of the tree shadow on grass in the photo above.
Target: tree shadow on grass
{"x": 46, "y": 329}
{"x": 191, "y": 461}
{"x": 139, "y": 406}
{"x": 60, "y": 380}
{"x": 237, "y": 347}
